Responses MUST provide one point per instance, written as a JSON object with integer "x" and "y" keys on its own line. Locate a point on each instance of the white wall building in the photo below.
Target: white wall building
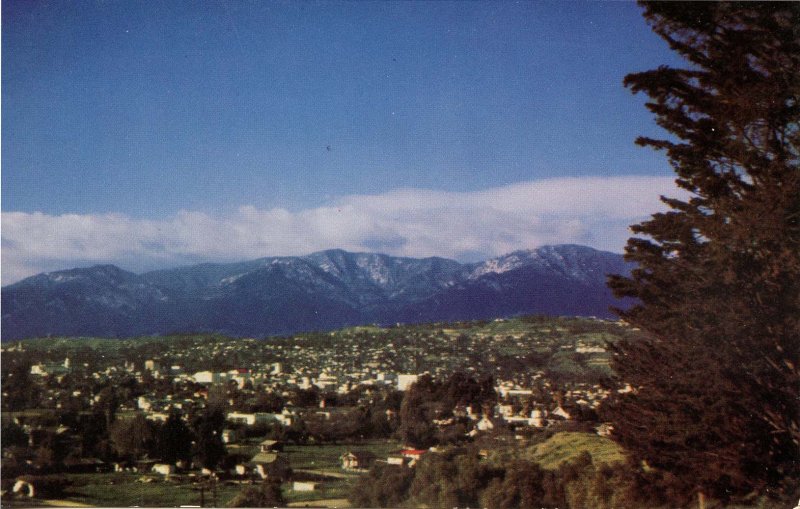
{"x": 208, "y": 377}
{"x": 405, "y": 381}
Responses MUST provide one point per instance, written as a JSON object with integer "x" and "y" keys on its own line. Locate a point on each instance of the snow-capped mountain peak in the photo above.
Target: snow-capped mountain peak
{"x": 323, "y": 290}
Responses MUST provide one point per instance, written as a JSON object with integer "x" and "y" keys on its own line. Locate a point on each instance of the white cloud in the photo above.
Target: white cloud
{"x": 594, "y": 211}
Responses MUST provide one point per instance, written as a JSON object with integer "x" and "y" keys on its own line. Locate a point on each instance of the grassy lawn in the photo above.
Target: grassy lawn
{"x": 326, "y": 457}
{"x": 596, "y": 338}
{"x": 32, "y": 412}
{"x": 338, "y": 488}
{"x": 123, "y": 490}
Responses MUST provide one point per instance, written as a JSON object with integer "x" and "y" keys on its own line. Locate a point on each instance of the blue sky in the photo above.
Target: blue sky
{"x": 122, "y": 118}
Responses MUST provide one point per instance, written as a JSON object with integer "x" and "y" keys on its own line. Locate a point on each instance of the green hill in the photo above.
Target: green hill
{"x": 563, "y": 447}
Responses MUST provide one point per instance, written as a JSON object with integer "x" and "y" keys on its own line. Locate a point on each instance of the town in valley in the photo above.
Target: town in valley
{"x": 93, "y": 412}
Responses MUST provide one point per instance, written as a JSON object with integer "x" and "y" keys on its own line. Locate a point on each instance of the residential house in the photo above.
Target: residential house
{"x": 270, "y": 465}
{"x": 412, "y": 455}
{"x": 561, "y": 413}
{"x": 405, "y": 381}
{"x": 357, "y": 461}
{"x": 229, "y": 436}
{"x": 270, "y": 445}
{"x": 485, "y": 424}
{"x": 164, "y": 469}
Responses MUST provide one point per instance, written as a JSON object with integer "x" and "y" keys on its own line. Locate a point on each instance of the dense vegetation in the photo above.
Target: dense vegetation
{"x": 589, "y": 471}
{"x": 717, "y": 381}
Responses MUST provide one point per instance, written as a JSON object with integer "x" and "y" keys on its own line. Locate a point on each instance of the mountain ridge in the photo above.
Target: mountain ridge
{"x": 320, "y": 291}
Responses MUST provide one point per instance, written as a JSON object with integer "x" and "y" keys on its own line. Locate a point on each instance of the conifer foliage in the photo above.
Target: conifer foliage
{"x": 715, "y": 397}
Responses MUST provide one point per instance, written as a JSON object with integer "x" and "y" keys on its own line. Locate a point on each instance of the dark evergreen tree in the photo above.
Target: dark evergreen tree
{"x": 94, "y": 440}
{"x": 174, "y": 440}
{"x": 19, "y": 390}
{"x": 209, "y": 450}
{"x": 716, "y": 383}
{"x": 13, "y": 434}
{"x": 132, "y": 438}
{"x": 420, "y": 405}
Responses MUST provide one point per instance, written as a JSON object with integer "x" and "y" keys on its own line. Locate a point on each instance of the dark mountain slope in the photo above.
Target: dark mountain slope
{"x": 324, "y": 290}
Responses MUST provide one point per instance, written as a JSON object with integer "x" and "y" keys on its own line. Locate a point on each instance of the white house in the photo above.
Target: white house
{"x": 157, "y": 416}
{"x": 23, "y": 488}
{"x": 537, "y": 418}
{"x": 485, "y": 424}
{"x": 250, "y": 419}
{"x": 240, "y": 376}
{"x": 228, "y": 436}
{"x": 209, "y": 377}
{"x": 560, "y": 412}
{"x": 144, "y": 404}
{"x": 405, "y": 381}
{"x": 164, "y": 469}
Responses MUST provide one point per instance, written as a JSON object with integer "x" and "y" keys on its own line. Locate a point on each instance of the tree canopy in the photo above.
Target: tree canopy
{"x": 716, "y": 383}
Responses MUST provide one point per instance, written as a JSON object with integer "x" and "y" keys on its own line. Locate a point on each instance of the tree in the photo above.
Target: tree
{"x": 174, "y": 439}
{"x": 420, "y": 405}
{"x": 523, "y": 484}
{"x": 716, "y": 381}
{"x": 13, "y": 434}
{"x": 427, "y": 400}
{"x": 209, "y": 449}
{"x": 108, "y": 403}
{"x": 132, "y": 437}
{"x": 268, "y": 494}
{"x": 453, "y": 478}
{"x": 94, "y": 439}
{"x": 384, "y": 486}
{"x": 19, "y": 389}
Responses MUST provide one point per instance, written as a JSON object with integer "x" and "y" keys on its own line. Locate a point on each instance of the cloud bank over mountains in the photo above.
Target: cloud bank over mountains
{"x": 467, "y": 226}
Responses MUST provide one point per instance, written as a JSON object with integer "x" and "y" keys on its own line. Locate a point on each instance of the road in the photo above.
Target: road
{"x": 328, "y": 502}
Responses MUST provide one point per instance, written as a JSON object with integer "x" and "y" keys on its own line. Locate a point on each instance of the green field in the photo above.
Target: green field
{"x": 125, "y": 490}
{"x": 563, "y": 447}
{"x": 321, "y": 463}
{"x": 336, "y": 488}
{"x": 326, "y": 457}
{"x": 314, "y": 462}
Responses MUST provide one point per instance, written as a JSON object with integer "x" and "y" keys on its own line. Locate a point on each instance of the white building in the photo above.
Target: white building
{"x": 250, "y": 419}
{"x": 164, "y": 469}
{"x": 560, "y": 412}
{"x": 485, "y": 424}
{"x": 537, "y": 418}
{"x": 208, "y": 377}
{"x": 144, "y": 404}
{"x": 405, "y": 381}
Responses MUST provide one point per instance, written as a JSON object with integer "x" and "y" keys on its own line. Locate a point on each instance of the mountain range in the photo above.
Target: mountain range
{"x": 322, "y": 291}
